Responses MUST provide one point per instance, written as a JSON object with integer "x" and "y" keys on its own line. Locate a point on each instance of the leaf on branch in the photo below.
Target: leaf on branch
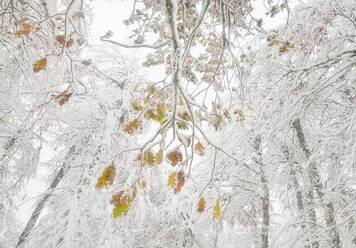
{"x": 181, "y": 125}
{"x": 136, "y": 106}
{"x": 200, "y": 148}
{"x": 201, "y": 205}
{"x": 159, "y": 157}
{"x": 39, "y": 65}
{"x": 25, "y": 28}
{"x": 78, "y": 15}
{"x": 174, "y": 157}
{"x": 180, "y": 184}
{"x": 116, "y": 197}
{"x": 122, "y": 207}
{"x": 107, "y": 177}
{"x": 60, "y": 39}
{"x": 63, "y": 97}
{"x": 132, "y": 126}
{"x": 172, "y": 180}
{"x": 148, "y": 158}
{"x": 69, "y": 43}
{"x": 86, "y": 62}
{"x": 217, "y": 210}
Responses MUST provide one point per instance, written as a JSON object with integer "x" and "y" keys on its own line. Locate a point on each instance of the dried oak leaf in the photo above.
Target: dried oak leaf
{"x": 200, "y": 148}
{"x": 63, "y": 97}
{"x": 116, "y": 197}
{"x": 148, "y": 158}
{"x": 25, "y": 28}
{"x": 132, "y": 126}
{"x": 201, "y": 205}
{"x": 39, "y": 65}
{"x": 180, "y": 184}
{"x": 69, "y": 43}
{"x": 175, "y": 157}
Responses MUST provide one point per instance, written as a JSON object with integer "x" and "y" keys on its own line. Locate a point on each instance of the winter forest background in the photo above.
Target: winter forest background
{"x": 197, "y": 123}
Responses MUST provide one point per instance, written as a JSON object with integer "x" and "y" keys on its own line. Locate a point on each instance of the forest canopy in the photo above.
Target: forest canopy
{"x": 247, "y": 139}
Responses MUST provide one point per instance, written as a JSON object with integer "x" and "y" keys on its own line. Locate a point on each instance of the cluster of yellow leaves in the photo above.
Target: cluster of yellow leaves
{"x": 61, "y": 40}
{"x": 201, "y": 205}
{"x": 175, "y": 157}
{"x": 132, "y": 126}
{"x": 200, "y": 148}
{"x": 39, "y": 65}
{"x": 63, "y": 97}
{"x": 150, "y": 159}
{"x": 107, "y": 177}
{"x": 176, "y": 181}
{"x": 24, "y": 28}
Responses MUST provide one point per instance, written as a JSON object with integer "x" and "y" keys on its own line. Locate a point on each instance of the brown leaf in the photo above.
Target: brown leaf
{"x": 69, "y": 43}
{"x": 39, "y": 65}
{"x": 200, "y": 148}
{"x": 63, "y": 97}
{"x": 132, "y": 126}
{"x": 25, "y": 28}
{"x": 86, "y": 62}
{"x": 60, "y": 39}
{"x": 116, "y": 197}
{"x": 175, "y": 157}
{"x": 180, "y": 183}
{"x": 148, "y": 158}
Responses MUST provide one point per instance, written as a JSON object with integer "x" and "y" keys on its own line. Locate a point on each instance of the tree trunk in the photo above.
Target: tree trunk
{"x": 315, "y": 182}
{"x": 265, "y": 197}
{"x": 36, "y": 213}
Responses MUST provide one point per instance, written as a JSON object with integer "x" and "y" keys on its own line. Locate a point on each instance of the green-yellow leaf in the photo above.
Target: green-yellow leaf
{"x": 172, "y": 180}
{"x": 201, "y": 205}
{"x": 122, "y": 207}
{"x": 217, "y": 210}
{"x": 159, "y": 157}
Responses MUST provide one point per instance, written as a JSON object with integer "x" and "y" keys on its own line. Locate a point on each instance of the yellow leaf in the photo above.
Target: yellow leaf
{"x": 149, "y": 158}
{"x": 172, "y": 180}
{"x": 200, "y": 148}
{"x": 217, "y": 210}
{"x": 107, "y": 177}
{"x": 40, "y": 65}
{"x": 159, "y": 157}
{"x": 201, "y": 205}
